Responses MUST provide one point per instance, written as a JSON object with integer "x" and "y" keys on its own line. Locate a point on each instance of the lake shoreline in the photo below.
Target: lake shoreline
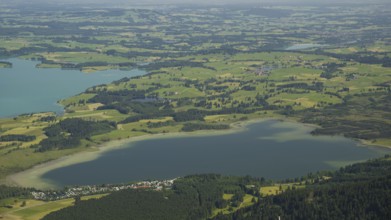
{"x": 32, "y": 176}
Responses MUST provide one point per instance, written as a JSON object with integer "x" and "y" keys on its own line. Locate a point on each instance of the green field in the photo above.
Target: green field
{"x": 248, "y": 200}
{"x": 35, "y": 210}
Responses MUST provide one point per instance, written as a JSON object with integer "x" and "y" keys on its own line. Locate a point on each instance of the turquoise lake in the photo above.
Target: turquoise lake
{"x": 270, "y": 149}
{"x": 26, "y": 89}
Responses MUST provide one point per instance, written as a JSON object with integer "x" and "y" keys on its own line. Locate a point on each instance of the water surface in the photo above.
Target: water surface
{"x": 304, "y": 46}
{"x": 270, "y": 149}
{"x": 26, "y": 89}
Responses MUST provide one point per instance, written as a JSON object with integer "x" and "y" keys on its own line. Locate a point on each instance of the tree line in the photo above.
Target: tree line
{"x": 17, "y": 137}
{"x": 199, "y": 126}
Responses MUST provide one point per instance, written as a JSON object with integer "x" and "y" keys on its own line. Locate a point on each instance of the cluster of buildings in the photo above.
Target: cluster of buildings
{"x": 77, "y": 191}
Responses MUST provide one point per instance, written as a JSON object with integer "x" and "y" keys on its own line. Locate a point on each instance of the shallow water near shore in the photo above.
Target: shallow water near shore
{"x": 271, "y": 149}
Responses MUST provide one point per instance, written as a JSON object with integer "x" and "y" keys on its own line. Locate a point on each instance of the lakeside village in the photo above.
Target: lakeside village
{"x": 78, "y": 191}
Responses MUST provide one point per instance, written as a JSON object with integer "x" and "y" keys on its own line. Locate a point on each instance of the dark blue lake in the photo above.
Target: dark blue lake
{"x": 26, "y": 89}
{"x": 270, "y": 149}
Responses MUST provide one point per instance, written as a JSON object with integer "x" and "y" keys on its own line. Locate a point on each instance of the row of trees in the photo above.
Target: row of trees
{"x": 200, "y": 126}
{"x": 362, "y": 57}
{"x": 17, "y": 137}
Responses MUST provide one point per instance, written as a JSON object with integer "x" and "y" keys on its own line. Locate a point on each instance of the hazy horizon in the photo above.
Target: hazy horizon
{"x": 221, "y": 2}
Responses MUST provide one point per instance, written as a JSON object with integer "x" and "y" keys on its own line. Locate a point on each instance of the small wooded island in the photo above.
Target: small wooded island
{"x": 210, "y": 70}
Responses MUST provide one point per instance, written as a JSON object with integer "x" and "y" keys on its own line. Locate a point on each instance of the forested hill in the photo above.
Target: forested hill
{"x": 192, "y": 197}
{"x": 360, "y": 191}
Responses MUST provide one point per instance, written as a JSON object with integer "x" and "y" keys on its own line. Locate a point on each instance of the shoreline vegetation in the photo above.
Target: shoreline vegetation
{"x": 32, "y": 177}
{"x": 5, "y": 64}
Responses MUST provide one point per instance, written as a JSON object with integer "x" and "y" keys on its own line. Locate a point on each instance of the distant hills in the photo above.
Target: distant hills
{"x": 134, "y": 2}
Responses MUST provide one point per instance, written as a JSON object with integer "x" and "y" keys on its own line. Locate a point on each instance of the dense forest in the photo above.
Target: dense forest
{"x": 10, "y": 191}
{"x": 359, "y": 191}
{"x": 192, "y": 197}
{"x": 69, "y": 132}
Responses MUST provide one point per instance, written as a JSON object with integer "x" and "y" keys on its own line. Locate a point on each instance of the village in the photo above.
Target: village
{"x": 77, "y": 191}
